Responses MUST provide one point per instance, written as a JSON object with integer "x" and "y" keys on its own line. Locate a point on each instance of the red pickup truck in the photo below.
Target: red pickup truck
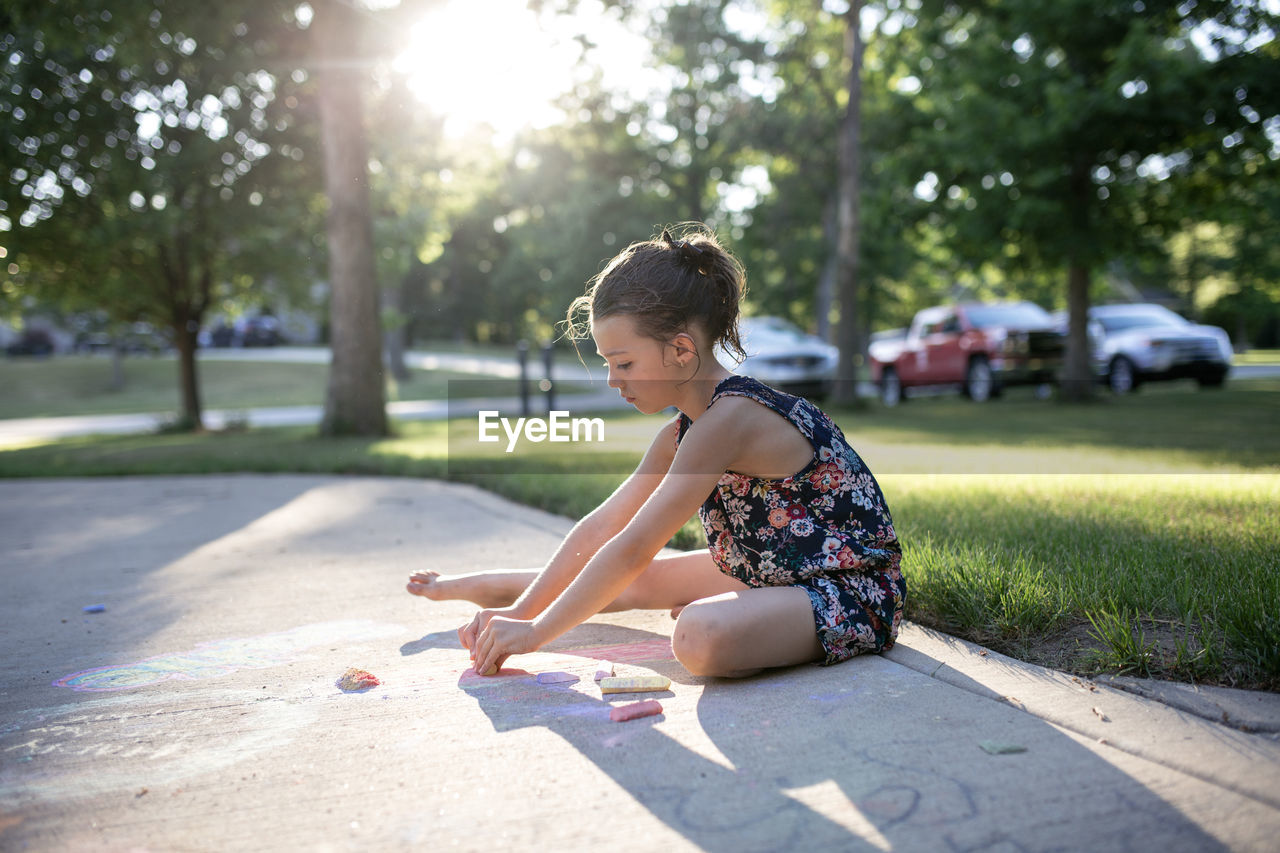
{"x": 980, "y": 347}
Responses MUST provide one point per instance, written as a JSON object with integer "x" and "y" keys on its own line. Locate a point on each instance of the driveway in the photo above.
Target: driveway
{"x": 196, "y": 708}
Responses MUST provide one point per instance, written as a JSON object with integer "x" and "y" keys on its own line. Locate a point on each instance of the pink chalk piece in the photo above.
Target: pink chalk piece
{"x": 556, "y": 678}
{"x": 635, "y": 710}
{"x": 357, "y": 679}
{"x": 605, "y": 670}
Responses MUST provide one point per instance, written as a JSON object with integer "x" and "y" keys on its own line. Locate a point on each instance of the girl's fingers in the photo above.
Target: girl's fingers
{"x": 484, "y": 653}
{"x": 467, "y": 636}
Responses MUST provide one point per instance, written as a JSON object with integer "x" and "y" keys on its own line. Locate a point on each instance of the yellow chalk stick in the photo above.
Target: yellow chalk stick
{"x": 634, "y": 684}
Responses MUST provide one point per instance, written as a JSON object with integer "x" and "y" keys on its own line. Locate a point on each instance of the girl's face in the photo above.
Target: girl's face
{"x": 645, "y": 371}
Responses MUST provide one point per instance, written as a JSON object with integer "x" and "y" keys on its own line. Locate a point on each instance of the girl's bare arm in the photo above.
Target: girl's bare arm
{"x": 707, "y": 451}
{"x": 598, "y": 527}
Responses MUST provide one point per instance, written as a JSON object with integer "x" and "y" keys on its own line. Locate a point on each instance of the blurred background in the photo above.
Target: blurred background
{"x": 185, "y": 177}
{"x": 252, "y": 217}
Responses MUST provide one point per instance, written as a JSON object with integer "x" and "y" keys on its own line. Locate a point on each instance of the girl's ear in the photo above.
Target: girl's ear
{"x": 686, "y": 348}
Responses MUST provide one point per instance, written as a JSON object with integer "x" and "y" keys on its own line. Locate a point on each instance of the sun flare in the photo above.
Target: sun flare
{"x": 488, "y": 62}
{"x": 497, "y": 63}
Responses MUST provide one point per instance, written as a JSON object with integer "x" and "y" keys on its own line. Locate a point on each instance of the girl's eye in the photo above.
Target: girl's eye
{"x": 624, "y": 365}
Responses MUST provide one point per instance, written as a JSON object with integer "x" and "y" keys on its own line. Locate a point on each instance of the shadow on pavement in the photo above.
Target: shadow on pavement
{"x": 868, "y": 755}
{"x": 68, "y": 548}
{"x": 447, "y": 639}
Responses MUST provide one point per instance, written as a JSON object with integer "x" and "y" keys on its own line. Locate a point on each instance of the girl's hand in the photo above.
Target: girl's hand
{"x": 501, "y": 638}
{"x": 467, "y": 633}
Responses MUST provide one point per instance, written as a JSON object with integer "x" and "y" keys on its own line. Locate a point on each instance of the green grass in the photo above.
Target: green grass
{"x": 1167, "y": 575}
{"x": 80, "y": 385}
{"x": 1134, "y": 535}
{"x": 1162, "y": 428}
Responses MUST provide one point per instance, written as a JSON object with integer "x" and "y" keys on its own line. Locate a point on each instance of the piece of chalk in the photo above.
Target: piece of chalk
{"x": 94, "y": 608}
{"x": 556, "y": 677}
{"x": 356, "y": 679}
{"x": 647, "y": 708}
{"x": 634, "y": 684}
{"x": 604, "y": 670}
{"x": 493, "y": 670}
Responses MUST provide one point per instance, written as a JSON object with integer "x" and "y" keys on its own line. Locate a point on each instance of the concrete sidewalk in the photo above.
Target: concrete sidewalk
{"x": 198, "y": 711}
{"x": 15, "y": 432}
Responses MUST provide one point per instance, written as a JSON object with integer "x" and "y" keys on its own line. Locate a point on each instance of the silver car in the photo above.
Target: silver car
{"x": 781, "y": 354}
{"x": 1140, "y": 343}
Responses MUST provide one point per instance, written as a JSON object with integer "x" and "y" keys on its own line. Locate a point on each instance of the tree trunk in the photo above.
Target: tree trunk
{"x": 394, "y": 332}
{"x": 825, "y": 298}
{"x": 848, "y": 333}
{"x": 185, "y": 313}
{"x": 356, "y": 399}
{"x": 1077, "y": 379}
{"x": 1077, "y": 376}
{"x": 184, "y": 339}
{"x": 117, "y": 363}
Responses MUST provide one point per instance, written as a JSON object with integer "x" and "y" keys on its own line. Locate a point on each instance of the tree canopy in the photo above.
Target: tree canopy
{"x": 156, "y": 163}
{"x": 162, "y": 157}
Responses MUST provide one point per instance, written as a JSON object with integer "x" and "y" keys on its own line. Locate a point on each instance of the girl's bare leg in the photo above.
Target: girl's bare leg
{"x": 741, "y": 633}
{"x": 669, "y": 583}
{"x": 494, "y": 588}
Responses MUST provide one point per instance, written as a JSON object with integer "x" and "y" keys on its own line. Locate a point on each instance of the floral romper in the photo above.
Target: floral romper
{"x": 825, "y": 529}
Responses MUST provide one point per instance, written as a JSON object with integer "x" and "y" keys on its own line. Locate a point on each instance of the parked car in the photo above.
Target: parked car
{"x": 35, "y": 342}
{"x": 221, "y": 335}
{"x": 781, "y": 354}
{"x": 1144, "y": 342}
{"x": 980, "y": 347}
{"x": 262, "y": 330}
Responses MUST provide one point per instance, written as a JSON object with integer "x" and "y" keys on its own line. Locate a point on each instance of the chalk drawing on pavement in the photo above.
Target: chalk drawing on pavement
{"x": 223, "y": 657}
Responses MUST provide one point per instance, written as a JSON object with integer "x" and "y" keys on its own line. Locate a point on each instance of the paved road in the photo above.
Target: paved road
{"x": 480, "y": 365}
{"x": 198, "y": 710}
{"x": 18, "y": 431}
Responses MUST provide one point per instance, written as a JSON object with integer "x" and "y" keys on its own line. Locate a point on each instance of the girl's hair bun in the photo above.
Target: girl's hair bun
{"x": 666, "y": 284}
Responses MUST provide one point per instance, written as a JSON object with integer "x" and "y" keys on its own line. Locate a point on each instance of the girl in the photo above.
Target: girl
{"x": 803, "y": 559}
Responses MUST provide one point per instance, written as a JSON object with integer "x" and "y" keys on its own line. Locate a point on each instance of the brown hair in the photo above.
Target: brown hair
{"x": 666, "y": 284}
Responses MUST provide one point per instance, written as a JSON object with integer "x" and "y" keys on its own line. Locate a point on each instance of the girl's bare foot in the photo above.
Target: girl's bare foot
{"x": 429, "y": 585}
{"x": 488, "y": 589}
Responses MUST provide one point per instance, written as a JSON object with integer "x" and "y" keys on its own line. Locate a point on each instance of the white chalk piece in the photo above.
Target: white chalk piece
{"x": 635, "y": 710}
{"x": 604, "y": 670}
{"x": 634, "y": 684}
{"x": 556, "y": 678}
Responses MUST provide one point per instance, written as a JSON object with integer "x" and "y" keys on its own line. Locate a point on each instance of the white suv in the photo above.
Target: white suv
{"x": 1139, "y": 343}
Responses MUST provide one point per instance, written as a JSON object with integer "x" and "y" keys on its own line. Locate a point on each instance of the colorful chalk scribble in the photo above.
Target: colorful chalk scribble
{"x": 643, "y": 651}
{"x": 223, "y": 657}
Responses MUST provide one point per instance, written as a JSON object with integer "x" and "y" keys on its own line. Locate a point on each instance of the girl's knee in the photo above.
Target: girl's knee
{"x": 701, "y": 641}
